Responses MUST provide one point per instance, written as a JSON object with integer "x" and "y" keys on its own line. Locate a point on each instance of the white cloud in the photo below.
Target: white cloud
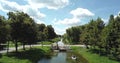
{"x": 35, "y": 13}
{"x": 81, "y": 12}
{"x": 8, "y": 6}
{"x": 50, "y": 4}
{"x": 39, "y": 21}
{"x": 117, "y": 14}
{"x": 33, "y": 6}
{"x": 69, "y": 21}
{"x": 105, "y": 21}
{"x": 78, "y": 14}
{"x": 59, "y": 30}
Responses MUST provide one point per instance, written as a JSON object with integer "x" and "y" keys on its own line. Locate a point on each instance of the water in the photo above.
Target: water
{"x": 63, "y": 57}
{"x": 57, "y": 58}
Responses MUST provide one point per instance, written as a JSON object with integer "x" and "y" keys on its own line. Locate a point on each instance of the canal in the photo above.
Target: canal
{"x": 56, "y": 58}
{"x": 63, "y": 57}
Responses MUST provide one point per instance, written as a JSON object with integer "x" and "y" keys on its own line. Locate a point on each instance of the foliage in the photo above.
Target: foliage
{"x": 97, "y": 35}
{"x": 49, "y": 32}
{"x": 21, "y": 28}
{"x": 73, "y": 34}
{"x": 3, "y": 30}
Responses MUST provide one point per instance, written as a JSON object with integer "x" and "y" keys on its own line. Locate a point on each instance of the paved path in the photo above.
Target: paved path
{"x": 20, "y": 47}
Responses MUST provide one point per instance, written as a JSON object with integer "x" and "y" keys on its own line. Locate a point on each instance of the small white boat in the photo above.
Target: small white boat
{"x": 74, "y": 57}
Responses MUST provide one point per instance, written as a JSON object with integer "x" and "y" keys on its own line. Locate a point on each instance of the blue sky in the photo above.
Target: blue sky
{"x": 62, "y": 14}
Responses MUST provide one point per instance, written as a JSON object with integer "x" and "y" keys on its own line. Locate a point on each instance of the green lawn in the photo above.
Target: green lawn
{"x": 11, "y": 44}
{"x": 92, "y": 57}
{"x": 45, "y": 42}
{"x": 28, "y": 56}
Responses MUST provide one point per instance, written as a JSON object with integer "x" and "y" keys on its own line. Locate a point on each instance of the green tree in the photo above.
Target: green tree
{"x": 23, "y": 27}
{"x": 49, "y": 32}
{"x": 41, "y": 27}
{"x": 113, "y": 37}
{"x": 73, "y": 34}
{"x": 15, "y": 27}
{"x": 84, "y": 37}
{"x": 41, "y": 35}
{"x": 3, "y": 31}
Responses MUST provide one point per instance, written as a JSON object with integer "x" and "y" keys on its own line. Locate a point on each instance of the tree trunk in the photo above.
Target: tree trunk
{"x": 23, "y": 46}
{"x": 16, "y": 46}
{"x": 93, "y": 46}
{"x": 42, "y": 43}
{"x": 100, "y": 51}
{"x": 87, "y": 47}
{"x": 30, "y": 46}
{"x": 7, "y": 47}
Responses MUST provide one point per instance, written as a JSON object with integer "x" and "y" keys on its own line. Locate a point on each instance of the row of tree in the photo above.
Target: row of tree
{"x": 20, "y": 27}
{"x": 98, "y": 35}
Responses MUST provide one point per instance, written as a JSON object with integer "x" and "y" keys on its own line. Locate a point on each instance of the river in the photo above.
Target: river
{"x": 57, "y": 58}
{"x": 64, "y": 57}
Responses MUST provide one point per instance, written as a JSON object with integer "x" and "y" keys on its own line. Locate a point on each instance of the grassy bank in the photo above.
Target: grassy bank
{"x": 45, "y": 43}
{"x": 28, "y": 56}
{"x": 92, "y": 57}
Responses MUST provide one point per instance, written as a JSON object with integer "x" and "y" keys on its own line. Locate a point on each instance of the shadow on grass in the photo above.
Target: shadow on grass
{"x": 96, "y": 51}
{"x": 33, "y": 55}
{"x": 0, "y": 55}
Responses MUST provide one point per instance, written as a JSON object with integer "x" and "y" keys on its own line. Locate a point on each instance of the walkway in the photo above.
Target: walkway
{"x": 20, "y": 47}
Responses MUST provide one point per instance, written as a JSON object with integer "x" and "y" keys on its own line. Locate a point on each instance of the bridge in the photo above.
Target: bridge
{"x": 59, "y": 46}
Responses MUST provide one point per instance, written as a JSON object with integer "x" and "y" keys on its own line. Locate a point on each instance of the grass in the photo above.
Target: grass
{"x": 28, "y": 56}
{"x": 11, "y": 44}
{"x": 45, "y": 42}
{"x": 49, "y": 42}
{"x": 80, "y": 58}
{"x": 92, "y": 57}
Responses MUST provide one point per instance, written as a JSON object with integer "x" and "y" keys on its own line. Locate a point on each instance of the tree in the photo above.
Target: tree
{"x": 113, "y": 37}
{"x": 23, "y": 28}
{"x": 41, "y": 35}
{"x": 8, "y": 34}
{"x": 73, "y": 34}
{"x": 15, "y": 27}
{"x": 28, "y": 30}
{"x": 3, "y": 31}
{"x": 84, "y": 37}
{"x": 41, "y": 27}
{"x": 31, "y": 34}
{"x": 49, "y": 32}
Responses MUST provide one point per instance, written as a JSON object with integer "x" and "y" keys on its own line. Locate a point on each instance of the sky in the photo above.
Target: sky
{"x": 62, "y": 14}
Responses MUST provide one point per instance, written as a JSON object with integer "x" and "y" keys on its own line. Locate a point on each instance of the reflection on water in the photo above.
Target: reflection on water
{"x": 64, "y": 57}
{"x": 57, "y": 58}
